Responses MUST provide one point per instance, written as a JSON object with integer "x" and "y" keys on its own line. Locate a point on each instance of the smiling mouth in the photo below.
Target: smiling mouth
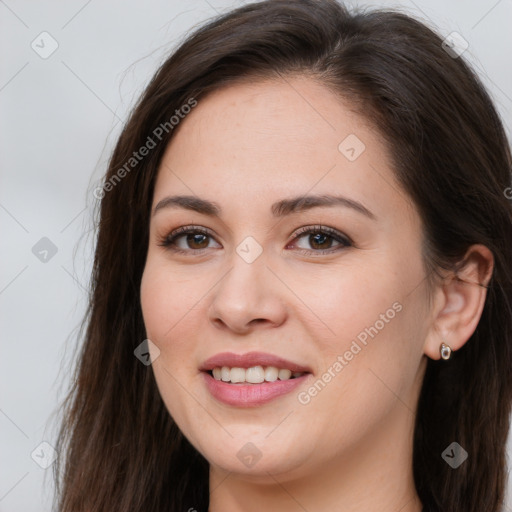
{"x": 253, "y": 375}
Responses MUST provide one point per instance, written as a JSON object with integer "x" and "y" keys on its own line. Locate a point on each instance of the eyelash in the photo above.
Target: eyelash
{"x": 169, "y": 241}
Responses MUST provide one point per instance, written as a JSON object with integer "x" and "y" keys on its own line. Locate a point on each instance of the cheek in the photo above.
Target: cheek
{"x": 376, "y": 325}
{"x": 349, "y": 302}
{"x": 173, "y": 311}
{"x": 154, "y": 303}
{"x": 376, "y": 297}
{"x": 168, "y": 317}
{"x": 166, "y": 302}
{"x": 167, "y": 310}
{"x": 368, "y": 370}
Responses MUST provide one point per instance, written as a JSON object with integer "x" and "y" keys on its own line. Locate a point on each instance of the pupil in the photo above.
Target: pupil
{"x": 195, "y": 238}
{"x": 322, "y": 237}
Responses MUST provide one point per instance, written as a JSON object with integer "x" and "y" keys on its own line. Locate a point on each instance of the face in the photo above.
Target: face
{"x": 332, "y": 293}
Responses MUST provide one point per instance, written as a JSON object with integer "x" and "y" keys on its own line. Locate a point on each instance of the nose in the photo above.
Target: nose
{"x": 248, "y": 295}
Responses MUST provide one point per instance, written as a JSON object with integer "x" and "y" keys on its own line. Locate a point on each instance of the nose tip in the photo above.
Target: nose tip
{"x": 247, "y": 297}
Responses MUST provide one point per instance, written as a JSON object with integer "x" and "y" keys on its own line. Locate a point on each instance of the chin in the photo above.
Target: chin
{"x": 253, "y": 455}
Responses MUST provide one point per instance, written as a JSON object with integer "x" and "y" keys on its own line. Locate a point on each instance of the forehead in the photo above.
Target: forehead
{"x": 275, "y": 138}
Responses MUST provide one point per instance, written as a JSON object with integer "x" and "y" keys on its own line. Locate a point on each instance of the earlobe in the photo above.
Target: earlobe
{"x": 459, "y": 305}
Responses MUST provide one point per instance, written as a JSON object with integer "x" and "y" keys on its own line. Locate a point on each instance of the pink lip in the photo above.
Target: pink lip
{"x": 251, "y": 359}
{"x": 250, "y": 395}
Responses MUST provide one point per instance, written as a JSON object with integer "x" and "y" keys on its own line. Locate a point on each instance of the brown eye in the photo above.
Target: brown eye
{"x": 198, "y": 239}
{"x": 322, "y": 239}
{"x": 187, "y": 239}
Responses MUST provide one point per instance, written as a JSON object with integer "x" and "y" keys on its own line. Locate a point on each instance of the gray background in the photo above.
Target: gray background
{"x": 60, "y": 117}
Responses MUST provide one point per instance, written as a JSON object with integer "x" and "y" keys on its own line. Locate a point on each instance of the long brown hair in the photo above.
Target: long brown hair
{"x": 119, "y": 447}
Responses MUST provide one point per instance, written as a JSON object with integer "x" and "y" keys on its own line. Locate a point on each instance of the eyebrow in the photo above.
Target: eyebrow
{"x": 279, "y": 209}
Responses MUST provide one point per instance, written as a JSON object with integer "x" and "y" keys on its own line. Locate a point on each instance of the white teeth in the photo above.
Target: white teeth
{"x": 271, "y": 373}
{"x": 237, "y": 375}
{"x": 253, "y": 375}
{"x": 225, "y": 374}
{"x": 284, "y": 374}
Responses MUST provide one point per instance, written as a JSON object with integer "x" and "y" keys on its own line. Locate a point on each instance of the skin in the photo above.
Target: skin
{"x": 245, "y": 147}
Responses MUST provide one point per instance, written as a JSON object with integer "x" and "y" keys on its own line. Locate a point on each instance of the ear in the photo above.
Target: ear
{"x": 459, "y": 301}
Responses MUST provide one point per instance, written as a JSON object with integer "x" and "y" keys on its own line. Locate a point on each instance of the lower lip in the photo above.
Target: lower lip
{"x": 250, "y": 395}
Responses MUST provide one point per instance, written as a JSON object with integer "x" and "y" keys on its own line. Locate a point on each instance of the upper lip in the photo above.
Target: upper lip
{"x": 251, "y": 359}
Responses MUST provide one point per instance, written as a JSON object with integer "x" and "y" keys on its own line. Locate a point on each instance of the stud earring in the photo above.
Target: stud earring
{"x": 445, "y": 351}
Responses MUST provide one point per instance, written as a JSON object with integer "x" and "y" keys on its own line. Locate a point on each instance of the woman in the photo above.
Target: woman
{"x": 302, "y": 285}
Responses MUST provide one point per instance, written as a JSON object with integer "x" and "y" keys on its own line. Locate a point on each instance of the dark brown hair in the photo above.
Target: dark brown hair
{"x": 119, "y": 447}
